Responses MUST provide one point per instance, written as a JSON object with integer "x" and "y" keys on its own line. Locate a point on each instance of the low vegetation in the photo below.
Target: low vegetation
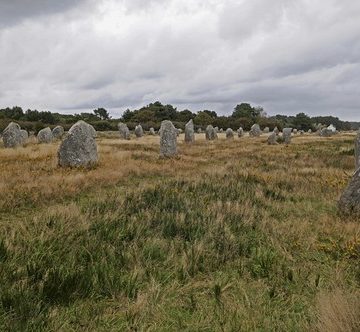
{"x": 231, "y": 236}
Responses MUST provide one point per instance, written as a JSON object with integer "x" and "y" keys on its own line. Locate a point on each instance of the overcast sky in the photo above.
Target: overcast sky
{"x": 288, "y": 56}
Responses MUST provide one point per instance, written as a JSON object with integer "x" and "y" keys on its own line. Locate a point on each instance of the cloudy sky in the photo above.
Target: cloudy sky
{"x": 288, "y": 56}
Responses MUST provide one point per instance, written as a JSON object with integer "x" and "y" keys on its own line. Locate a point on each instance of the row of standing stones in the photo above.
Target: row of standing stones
{"x": 79, "y": 148}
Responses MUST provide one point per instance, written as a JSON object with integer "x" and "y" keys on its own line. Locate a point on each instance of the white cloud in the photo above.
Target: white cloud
{"x": 286, "y": 55}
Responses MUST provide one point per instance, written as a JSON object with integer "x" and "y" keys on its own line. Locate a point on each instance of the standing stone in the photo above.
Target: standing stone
{"x": 357, "y": 151}
{"x": 45, "y": 135}
{"x": 199, "y": 130}
{"x": 124, "y": 131}
{"x": 272, "y": 139}
{"x": 349, "y": 202}
{"x": 295, "y": 131}
{"x": 179, "y": 131}
{"x": 309, "y": 131}
{"x": 58, "y": 132}
{"x": 24, "y": 135}
{"x": 221, "y": 130}
{"x": 216, "y": 129}
{"x": 168, "y": 136}
{"x": 287, "y": 135}
{"x": 276, "y": 131}
{"x": 79, "y": 149}
{"x": 255, "y": 130}
{"x": 139, "y": 132}
{"x": 229, "y": 133}
{"x": 152, "y": 131}
{"x": 189, "y": 132}
{"x": 301, "y": 132}
{"x": 266, "y": 130}
{"x": 240, "y": 132}
{"x": 12, "y": 136}
{"x": 210, "y": 133}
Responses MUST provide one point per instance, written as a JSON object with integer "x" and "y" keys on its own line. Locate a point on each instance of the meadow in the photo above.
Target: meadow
{"x": 230, "y": 236}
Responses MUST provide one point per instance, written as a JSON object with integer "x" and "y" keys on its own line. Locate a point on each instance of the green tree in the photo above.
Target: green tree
{"x": 203, "y": 119}
{"x": 245, "y": 110}
{"x": 102, "y": 113}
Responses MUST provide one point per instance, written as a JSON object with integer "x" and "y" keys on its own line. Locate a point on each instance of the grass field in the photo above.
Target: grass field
{"x": 231, "y": 236}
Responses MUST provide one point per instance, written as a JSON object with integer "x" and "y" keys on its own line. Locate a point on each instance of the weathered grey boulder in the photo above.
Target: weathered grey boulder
{"x": 210, "y": 133}
{"x": 152, "y": 131}
{"x": 295, "y": 131}
{"x": 266, "y": 130}
{"x": 139, "y": 132}
{"x": 229, "y": 133}
{"x": 287, "y": 135}
{"x": 221, "y": 130}
{"x": 199, "y": 130}
{"x": 124, "y": 131}
{"x": 349, "y": 202}
{"x": 255, "y": 130}
{"x": 309, "y": 131}
{"x": 12, "y": 136}
{"x": 301, "y": 132}
{"x": 78, "y": 149}
{"x": 58, "y": 132}
{"x": 45, "y": 135}
{"x": 216, "y": 129}
{"x": 189, "y": 132}
{"x": 168, "y": 137}
{"x": 240, "y": 132}
{"x": 357, "y": 151}
{"x": 272, "y": 139}
{"x": 24, "y": 135}
{"x": 276, "y": 131}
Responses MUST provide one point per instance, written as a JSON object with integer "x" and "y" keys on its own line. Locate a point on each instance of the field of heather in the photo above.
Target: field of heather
{"x": 230, "y": 236}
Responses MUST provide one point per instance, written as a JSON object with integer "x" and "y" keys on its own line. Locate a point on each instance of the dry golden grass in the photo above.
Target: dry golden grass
{"x": 295, "y": 248}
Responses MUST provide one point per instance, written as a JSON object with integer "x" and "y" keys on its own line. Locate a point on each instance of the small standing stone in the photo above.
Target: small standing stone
{"x": 210, "y": 133}
{"x": 272, "y": 139}
{"x": 24, "y": 135}
{"x": 349, "y": 202}
{"x": 287, "y": 135}
{"x": 58, "y": 132}
{"x": 266, "y": 130}
{"x": 189, "y": 132}
{"x": 276, "y": 131}
{"x": 216, "y": 129}
{"x": 168, "y": 137}
{"x": 78, "y": 149}
{"x": 45, "y": 135}
{"x": 295, "y": 131}
{"x": 124, "y": 131}
{"x": 240, "y": 132}
{"x": 152, "y": 131}
{"x": 199, "y": 130}
{"x": 255, "y": 130}
{"x": 221, "y": 130}
{"x": 12, "y": 136}
{"x": 139, "y": 132}
{"x": 229, "y": 133}
{"x": 309, "y": 131}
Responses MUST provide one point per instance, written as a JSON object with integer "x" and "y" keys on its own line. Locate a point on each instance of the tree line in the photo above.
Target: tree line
{"x": 243, "y": 115}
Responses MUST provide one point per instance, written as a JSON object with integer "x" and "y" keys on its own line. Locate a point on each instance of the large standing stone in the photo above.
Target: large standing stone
{"x": 124, "y": 131}
{"x": 210, "y": 133}
{"x": 12, "y": 136}
{"x": 139, "y": 132}
{"x": 349, "y": 202}
{"x": 24, "y": 135}
{"x": 287, "y": 135}
{"x": 152, "y": 131}
{"x": 255, "y": 130}
{"x": 58, "y": 132}
{"x": 240, "y": 132}
{"x": 168, "y": 137}
{"x": 229, "y": 133}
{"x": 45, "y": 135}
{"x": 357, "y": 151}
{"x": 79, "y": 149}
{"x": 189, "y": 132}
{"x": 272, "y": 139}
